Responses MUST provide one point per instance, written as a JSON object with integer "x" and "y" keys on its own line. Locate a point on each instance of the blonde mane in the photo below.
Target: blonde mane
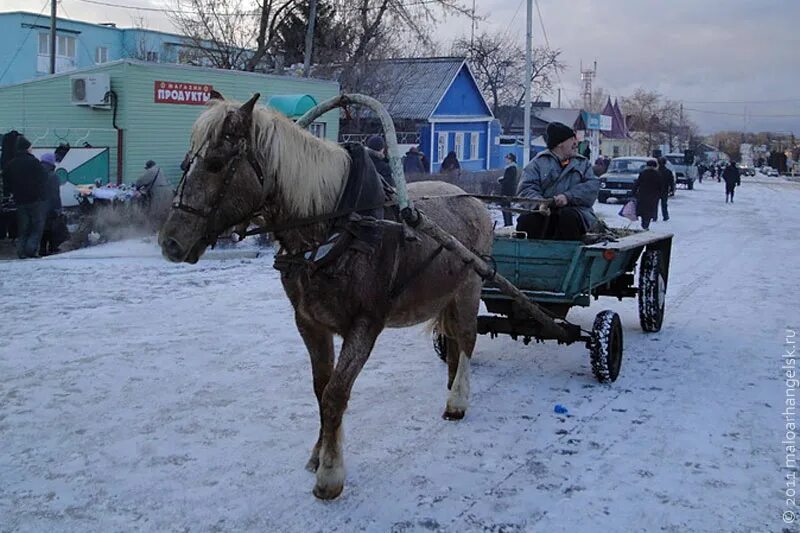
{"x": 310, "y": 172}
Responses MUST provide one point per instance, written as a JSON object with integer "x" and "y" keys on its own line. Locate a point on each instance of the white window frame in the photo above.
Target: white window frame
{"x": 318, "y": 129}
{"x": 442, "y": 140}
{"x": 474, "y": 145}
{"x": 101, "y": 54}
{"x": 459, "y": 145}
{"x": 44, "y": 38}
{"x": 151, "y": 56}
{"x": 67, "y": 42}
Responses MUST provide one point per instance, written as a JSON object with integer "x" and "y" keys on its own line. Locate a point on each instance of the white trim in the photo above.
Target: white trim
{"x": 462, "y": 65}
{"x": 488, "y": 143}
{"x": 461, "y": 119}
{"x": 430, "y": 159}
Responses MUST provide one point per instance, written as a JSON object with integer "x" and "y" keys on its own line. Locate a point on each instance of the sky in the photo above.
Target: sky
{"x": 733, "y": 63}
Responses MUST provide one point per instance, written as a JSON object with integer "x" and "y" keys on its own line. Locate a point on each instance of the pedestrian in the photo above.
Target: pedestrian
{"x": 508, "y": 186}
{"x": 156, "y": 193}
{"x": 561, "y": 175}
{"x": 732, "y": 178}
{"x": 52, "y": 236}
{"x": 412, "y": 162}
{"x": 376, "y": 149}
{"x": 668, "y": 184}
{"x": 26, "y": 179}
{"x": 648, "y": 189}
{"x": 450, "y": 163}
{"x": 701, "y": 170}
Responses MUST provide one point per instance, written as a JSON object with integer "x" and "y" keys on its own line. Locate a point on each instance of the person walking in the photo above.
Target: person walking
{"x": 412, "y": 162}
{"x": 450, "y": 164}
{"x": 26, "y": 179}
{"x": 376, "y": 149}
{"x": 508, "y": 186}
{"x": 732, "y": 178}
{"x": 668, "y": 183}
{"x": 52, "y": 208}
{"x": 647, "y": 189}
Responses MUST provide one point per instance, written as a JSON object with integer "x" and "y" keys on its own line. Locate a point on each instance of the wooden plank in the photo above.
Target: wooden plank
{"x": 631, "y": 241}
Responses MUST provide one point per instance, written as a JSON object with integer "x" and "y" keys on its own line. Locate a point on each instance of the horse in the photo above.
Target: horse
{"x": 252, "y": 161}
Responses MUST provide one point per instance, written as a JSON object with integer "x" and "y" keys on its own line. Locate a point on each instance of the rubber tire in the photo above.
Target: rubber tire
{"x": 652, "y": 291}
{"x": 605, "y": 346}
{"x": 440, "y": 345}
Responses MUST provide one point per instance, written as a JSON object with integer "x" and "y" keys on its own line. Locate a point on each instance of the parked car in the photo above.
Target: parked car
{"x": 685, "y": 174}
{"x": 772, "y": 173}
{"x": 618, "y": 181}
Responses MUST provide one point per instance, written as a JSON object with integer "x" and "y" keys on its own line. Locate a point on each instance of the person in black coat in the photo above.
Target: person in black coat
{"x": 51, "y": 238}
{"x": 412, "y": 162}
{"x": 27, "y": 179}
{"x": 668, "y": 183}
{"x": 508, "y": 186}
{"x": 647, "y": 189}
{"x": 732, "y": 178}
{"x": 450, "y": 163}
{"x": 377, "y": 152}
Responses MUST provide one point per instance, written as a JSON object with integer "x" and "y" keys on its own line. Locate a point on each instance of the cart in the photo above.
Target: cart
{"x": 558, "y": 275}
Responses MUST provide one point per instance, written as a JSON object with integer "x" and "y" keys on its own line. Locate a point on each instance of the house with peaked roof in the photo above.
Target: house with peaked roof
{"x": 617, "y": 141}
{"x": 438, "y": 98}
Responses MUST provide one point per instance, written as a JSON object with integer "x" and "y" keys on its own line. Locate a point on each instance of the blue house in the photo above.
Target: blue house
{"x": 25, "y": 42}
{"x": 439, "y": 99}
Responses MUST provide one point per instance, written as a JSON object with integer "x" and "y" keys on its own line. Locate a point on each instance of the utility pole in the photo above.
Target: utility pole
{"x": 472, "y": 34}
{"x": 52, "y": 36}
{"x": 526, "y": 149}
{"x": 559, "y": 98}
{"x": 312, "y": 20}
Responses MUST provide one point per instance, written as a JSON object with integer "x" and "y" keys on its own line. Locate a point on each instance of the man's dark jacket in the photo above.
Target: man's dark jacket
{"x": 647, "y": 189}
{"x": 26, "y": 178}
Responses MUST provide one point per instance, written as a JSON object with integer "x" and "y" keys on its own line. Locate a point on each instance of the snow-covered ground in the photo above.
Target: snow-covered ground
{"x": 136, "y": 394}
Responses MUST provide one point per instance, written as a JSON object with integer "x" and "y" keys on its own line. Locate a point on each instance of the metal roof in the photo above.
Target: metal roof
{"x": 412, "y": 88}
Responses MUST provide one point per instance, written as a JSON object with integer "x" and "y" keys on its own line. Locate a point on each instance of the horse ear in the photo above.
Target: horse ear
{"x": 247, "y": 107}
{"x": 216, "y": 95}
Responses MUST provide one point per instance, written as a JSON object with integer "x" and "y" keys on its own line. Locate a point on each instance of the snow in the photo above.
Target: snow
{"x": 136, "y": 394}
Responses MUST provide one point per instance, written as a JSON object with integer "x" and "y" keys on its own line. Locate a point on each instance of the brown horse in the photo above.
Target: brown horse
{"x": 252, "y": 160}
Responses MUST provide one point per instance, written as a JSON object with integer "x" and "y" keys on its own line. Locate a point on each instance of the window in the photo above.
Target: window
{"x": 44, "y": 44}
{"x": 317, "y": 129}
{"x": 474, "y": 145}
{"x": 460, "y": 145}
{"x": 442, "y": 146}
{"x": 65, "y": 46}
{"x": 101, "y": 54}
{"x": 616, "y": 150}
{"x": 151, "y": 56}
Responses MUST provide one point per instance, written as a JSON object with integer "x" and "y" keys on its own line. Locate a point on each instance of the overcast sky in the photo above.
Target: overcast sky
{"x": 701, "y": 52}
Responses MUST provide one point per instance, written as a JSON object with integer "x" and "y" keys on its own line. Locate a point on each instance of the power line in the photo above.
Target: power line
{"x": 25, "y": 40}
{"x": 740, "y": 114}
{"x": 743, "y": 101}
{"x": 547, "y": 42}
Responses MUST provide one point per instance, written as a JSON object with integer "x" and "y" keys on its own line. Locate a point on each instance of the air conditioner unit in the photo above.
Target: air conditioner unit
{"x": 92, "y": 90}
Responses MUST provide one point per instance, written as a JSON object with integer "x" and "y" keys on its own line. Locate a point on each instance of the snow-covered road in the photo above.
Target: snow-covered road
{"x": 136, "y": 394}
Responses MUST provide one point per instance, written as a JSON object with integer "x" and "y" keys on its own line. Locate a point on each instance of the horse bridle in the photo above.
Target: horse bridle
{"x": 233, "y": 157}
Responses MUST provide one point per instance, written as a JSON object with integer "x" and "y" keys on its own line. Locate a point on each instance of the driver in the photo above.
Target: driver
{"x": 566, "y": 177}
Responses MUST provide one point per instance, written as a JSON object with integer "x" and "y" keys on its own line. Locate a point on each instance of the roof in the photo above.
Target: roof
{"x": 412, "y": 88}
{"x": 292, "y": 105}
{"x": 567, "y": 116}
{"x": 619, "y": 129}
{"x": 174, "y": 66}
{"x": 106, "y": 25}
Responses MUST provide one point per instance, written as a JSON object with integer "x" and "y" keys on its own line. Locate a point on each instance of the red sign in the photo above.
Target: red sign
{"x": 173, "y": 92}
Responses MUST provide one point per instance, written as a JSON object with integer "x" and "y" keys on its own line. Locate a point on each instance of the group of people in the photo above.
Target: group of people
{"x": 35, "y": 188}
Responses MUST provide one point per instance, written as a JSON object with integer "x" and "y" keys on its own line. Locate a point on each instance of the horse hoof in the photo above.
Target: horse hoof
{"x": 328, "y": 493}
{"x": 457, "y": 414}
{"x": 313, "y": 464}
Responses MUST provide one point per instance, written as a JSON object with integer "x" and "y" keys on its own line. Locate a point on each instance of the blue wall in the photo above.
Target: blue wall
{"x": 470, "y": 161}
{"x": 19, "y": 34}
{"x": 463, "y": 98}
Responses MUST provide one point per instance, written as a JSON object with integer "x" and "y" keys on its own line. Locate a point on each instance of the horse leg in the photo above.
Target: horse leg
{"x": 460, "y": 317}
{"x": 319, "y": 342}
{"x": 357, "y": 345}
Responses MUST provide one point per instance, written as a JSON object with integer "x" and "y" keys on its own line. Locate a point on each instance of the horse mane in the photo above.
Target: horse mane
{"x": 310, "y": 173}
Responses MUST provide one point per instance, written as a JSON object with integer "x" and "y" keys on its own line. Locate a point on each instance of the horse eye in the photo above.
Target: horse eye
{"x": 228, "y": 137}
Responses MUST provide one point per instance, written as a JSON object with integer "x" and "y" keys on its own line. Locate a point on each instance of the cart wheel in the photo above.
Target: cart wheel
{"x": 605, "y": 347}
{"x": 440, "y": 345}
{"x": 652, "y": 291}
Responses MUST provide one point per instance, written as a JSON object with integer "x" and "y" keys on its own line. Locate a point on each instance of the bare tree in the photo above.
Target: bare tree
{"x": 230, "y": 34}
{"x": 599, "y": 99}
{"x": 655, "y": 120}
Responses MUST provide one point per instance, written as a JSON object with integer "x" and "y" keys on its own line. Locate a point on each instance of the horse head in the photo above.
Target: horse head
{"x": 225, "y": 184}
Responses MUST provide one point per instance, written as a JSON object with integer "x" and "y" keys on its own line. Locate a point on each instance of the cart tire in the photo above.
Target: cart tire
{"x": 652, "y": 291}
{"x": 605, "y": 347}
{"x": 440, "y": 345}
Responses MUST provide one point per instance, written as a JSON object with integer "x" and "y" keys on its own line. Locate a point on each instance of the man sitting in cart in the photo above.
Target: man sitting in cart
{"x": 562, "y": 175}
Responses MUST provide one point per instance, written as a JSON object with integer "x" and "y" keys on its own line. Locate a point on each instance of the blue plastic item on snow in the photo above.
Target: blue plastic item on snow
{"x": 560, "y": 409}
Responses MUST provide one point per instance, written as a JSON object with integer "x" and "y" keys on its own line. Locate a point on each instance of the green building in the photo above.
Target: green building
{"x": 142, "y": 111}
